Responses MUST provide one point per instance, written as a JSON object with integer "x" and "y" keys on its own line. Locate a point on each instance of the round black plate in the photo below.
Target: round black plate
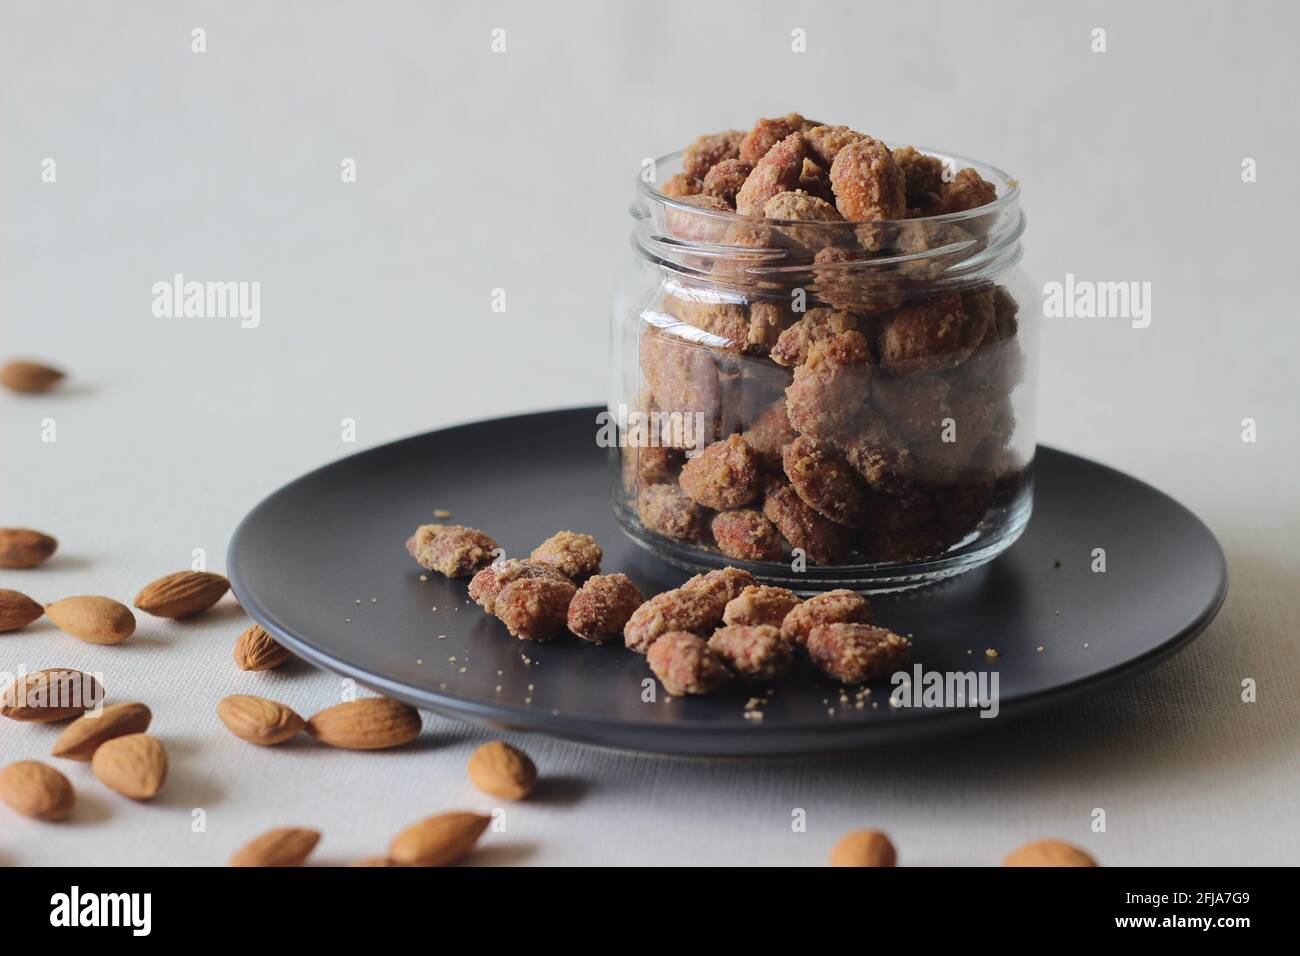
{"x": 321, "y": 564}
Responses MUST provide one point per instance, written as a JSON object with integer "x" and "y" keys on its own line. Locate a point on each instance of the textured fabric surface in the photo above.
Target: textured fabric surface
{"x": 376, "y": 308}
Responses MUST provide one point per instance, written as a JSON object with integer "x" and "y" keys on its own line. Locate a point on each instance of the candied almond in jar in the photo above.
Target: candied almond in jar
{"x": 830, "y": 337}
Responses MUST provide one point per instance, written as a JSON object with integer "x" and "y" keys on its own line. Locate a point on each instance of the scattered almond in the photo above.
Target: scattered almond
{"x": 864, "y": 848}
{"x": 285, "y": 846}
{"x": 17, "y": 610}
{"x": 29, "y": 377}
{"x": 256, "y": 650}
{"x": 93, "y": 619}
{"x": 135, "y": 765}
{"x": 24, "y": 548}
{"x": 372, "y": 723}
{"x": 45, "y": 696}
{"x": 182, "y": 594}
{"x": 502, "y": 771}
{"x": 85, "y": 734}
{"x": 37, "y": 790}
{"x": 438, "y": 840}
{"x": 258, "y": 720}
{"x": 1049, "y": 853}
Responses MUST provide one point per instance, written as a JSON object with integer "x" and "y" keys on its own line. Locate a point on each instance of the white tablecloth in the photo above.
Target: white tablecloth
{"x": 478, "y": 171}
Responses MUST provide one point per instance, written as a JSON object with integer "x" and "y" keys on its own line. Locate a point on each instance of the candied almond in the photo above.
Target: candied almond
{"x": 487, "y": 584}
{"x": 868, "y": 185}
{"x": 748, "y": 536}
{"x": 968, "y": 190}
{"x": 799, "y": 205}
{"x": 725, "y": 179}
{"x": 676, "y": 610}
{"x": 685, "y": 664}
{"x": 777, "y": 172}
{"x": 922, "y": 179}
{"x": 766, "y": 134}
{"x": 756, "y": 652}
{"x": 876, "y": 452}
{"x": 822, "y": 541}
{"x": 769, "y": 433}
{"x": 720, "y": 587}
{"x": 669, "y": 511}
{"x": 534, "y": 609}
{"x": 831, "y": 388}
{"x": 602, "y": 607}
{"x": 680, "y": 185}
{"x": 709, "y": 150}
{"x": 700, "y": 226}
{"x": 816, "y": 325}
{"x": 864, "y": 848}
{"x": 451, "y": 549}
{"x": 825, "y": 142}
{"x": 760, "y": 604}
{"x": 577, "y": 556}
{"x": 722, "y": 476}
{"x": 684, "y": 382}
{"x": 824, "y": 481}
{"x": 914, "y": 404}
{"x": 854, "y": 653}
{"x": 840, "y": 606}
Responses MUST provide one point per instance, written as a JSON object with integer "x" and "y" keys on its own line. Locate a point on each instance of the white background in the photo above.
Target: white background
{"x": 479, "y": 170}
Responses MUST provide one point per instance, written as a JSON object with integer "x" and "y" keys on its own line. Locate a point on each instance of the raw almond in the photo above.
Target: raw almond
{"x": 256, "y": 650}
{"x": 1049, "y": 853}
{"x": 258, "y": 720}
{"x": 29, "y": 377}
{"x": 17, "y": 610}
{"x": 438, "y": 841}
{"x": 37, "y": 790}
{"x": 372, "y": 723}
{"x": 93, "y": 619}
{"x": 864, "y": 848}
{"x": 182, "y": 594}
{"x": 81, "y": 738}
{"x": 55, "y": 693}
{"x": 502, "y": 771}
{"x": 135, "y": 765}
{"x": 286, "y": 846}
{"x": 24, "y": 548}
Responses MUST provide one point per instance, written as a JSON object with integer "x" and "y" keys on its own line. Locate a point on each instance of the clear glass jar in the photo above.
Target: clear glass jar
{"x": 880, "y": 377}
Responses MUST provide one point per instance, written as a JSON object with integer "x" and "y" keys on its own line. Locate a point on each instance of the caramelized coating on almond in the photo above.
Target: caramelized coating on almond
{"x": 753, "y": 652}
{"x": 577, "y": 556}
{"x": 747, "y": 535}
{"x": 657, "y": 465}
{"x": 725, "y": 179}
{"x": 777, "y": 172}
{"x": 603, "y": 606}
{"x": 825, "y": 142}
{"x": 666, "y": 510}
{"x": 766, "y": 134}
{"x": 817, "y": 325}
{"x": 968, "y": 190}
{"x": 677, "y": 610}
{"x": 704, "y": 310}
{"x": 876, "y": 452}
{"x": 723, "y": 476}
{"x": 769, "y": 433}
{"x": 680, "y": 186}
{"x": 823, "y": 480}
{"x": 698, "y": 227}
{"x": 534, "y": 609}
{"x": 916, "y": 405}
{"x": 451, "y": 549}
{"x": 487, "y": 584}
{"x": 844, "y": 280}
{"x": 854, "y": 653}
{"x": 720, "y": 587}
{"x": 709, "y": 150}
{"x": 684, "y": 381}
{"x": 830, "y": 389}
{"x": 868, "y": 185}
{"x": 684, "y": 664}
{"x": 767, "y": 320}
{"x": 798, "y": 205}
{"x": 816, "y": 181}
{"x": 931, "y": 334}
{"x": 833, "y": 607}
{"x": 760, "y": 604}
{"x": 822, "y": 541}
{"x": 922, "y": 179}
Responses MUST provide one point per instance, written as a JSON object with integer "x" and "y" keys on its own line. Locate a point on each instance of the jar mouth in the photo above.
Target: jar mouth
{"x": 927, "y": 254}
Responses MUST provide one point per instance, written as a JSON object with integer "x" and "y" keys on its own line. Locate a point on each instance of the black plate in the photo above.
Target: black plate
{"x": 321, "y": 564}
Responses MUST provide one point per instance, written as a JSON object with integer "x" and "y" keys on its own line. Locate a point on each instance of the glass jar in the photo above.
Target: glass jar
{"x": 826, "y": 404}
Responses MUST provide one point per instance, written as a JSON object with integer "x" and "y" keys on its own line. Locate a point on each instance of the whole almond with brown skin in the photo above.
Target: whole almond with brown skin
{"x": 24, "y": 548}
{"x": 502, "y": 771}
{"x": 45, "y": 696}
{"x": 37, "y": 790}
{"x": 93, "y": 619}
{"x": 258, "y": 720}
{"x": 29, "y": 377}
{"x": 135, "y": 765}
{"x": 438, "y": 841}
{"x": 17, "y": 610}
{"x": 286, "y": 846}
{"x": 373, "y": 861}
{"x": 864, "y": 848}
{"x": 256, "y": 650}
{"x": 84, "y": 735}
{"x": 182, "y": 594}
{"x": 1049, "y": 853}
{"x": 372, "y": 723}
